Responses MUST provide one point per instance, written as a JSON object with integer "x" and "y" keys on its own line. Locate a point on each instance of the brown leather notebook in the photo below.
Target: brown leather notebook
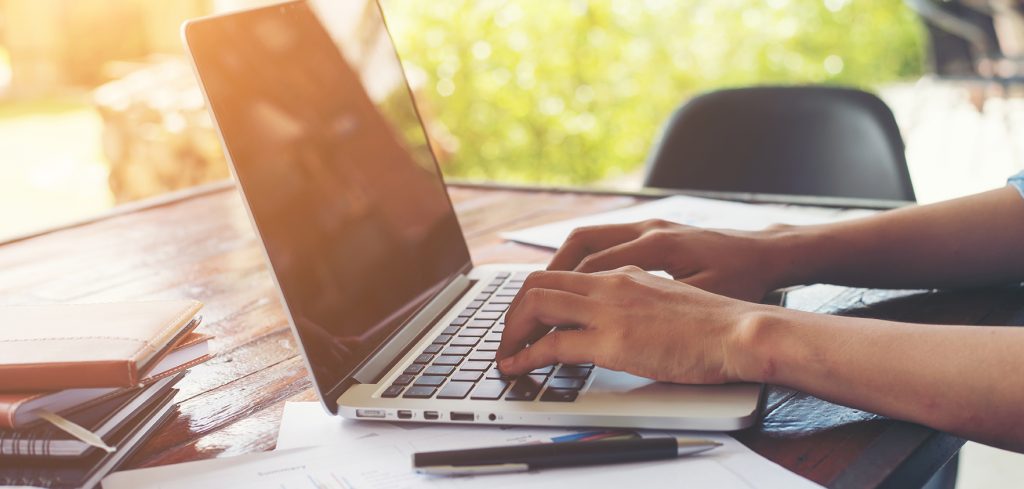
{"x": 20, "y": 409}
{"x": 63, "y": 346}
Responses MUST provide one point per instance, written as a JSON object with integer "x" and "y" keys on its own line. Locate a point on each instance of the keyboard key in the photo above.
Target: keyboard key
{"x": 476, "y": 366}
{"x": 438, "y": 370}
{"x": 457, "y": 350}
{"x": 451, "y": 330}
{"x": 467, "y": 312}
{"x": 580, "y": 365}
{"x": 494, "y": 307}
{"x": 543, "y": 370}
{"x": 413, "y": 369}
{"x": 424, "y": 358}
{"x": 506, "y": 292}
{"x": 448, "y": 360}
{"x": 442, "y": 339}
{"x": 455, "y": 390}
{"x": 489, "y": 289}
{"x": 537, "y": 378}
{"x": 572, "y": 372}
{"x": 481, "y": 298}
{"x": 459, "y": 321}
{"x": 480, "y": 323}
{"x": 392, "y": 391}
{"x": 419, "y": 392}
{"x": 489, "y": 390}
{"x": 493, "y": 336}
{"x": 482, "y": 356}
{"x": 503, "y": 275}
{"x": 499, "y": 328}
{"x": 476, "y": 304}
{"x": 494, "y": 373}
{"x": 502, "y": 299}
{"x": 525, "y": 389}
{"x": 466, "y": 376}
{"x": 403, "y": 379}
{"x": 488, "y": 315}
{"x": 572, "y": 384}
{"x": 559, "y": 395}
{"x": 429, "y": 380}
{"x": 487, "y": 346}
{"x": 433, "y": 349}
{"x": 473, "y": 333}
{"x": 520, "y": 276}
{"x": 465, "y": 341}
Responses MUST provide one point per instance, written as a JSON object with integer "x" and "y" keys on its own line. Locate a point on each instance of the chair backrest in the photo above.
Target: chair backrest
{"x": 822, "y": 141}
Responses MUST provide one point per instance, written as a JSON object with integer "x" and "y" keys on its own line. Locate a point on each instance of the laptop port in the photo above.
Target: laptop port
{"x": 404, "y": 414}
{"x": 457, "y": 416}
{"x": 430, "y": 415}
{"x": 369, "y": 413}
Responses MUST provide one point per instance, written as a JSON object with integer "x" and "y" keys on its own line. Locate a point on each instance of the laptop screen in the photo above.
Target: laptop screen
{"x": 324, "y": 138}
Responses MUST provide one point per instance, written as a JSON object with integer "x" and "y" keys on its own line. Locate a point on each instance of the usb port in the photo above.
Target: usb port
{"x": 404, "y": 414}
{"x": 430, "y": 415}
{"x": 369, "y": 413}
{"x": 457, "y": 416}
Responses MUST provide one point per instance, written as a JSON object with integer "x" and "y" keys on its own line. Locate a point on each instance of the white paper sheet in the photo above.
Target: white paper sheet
{"x": 692, "y": 211}
{"x": 318, "y": 451}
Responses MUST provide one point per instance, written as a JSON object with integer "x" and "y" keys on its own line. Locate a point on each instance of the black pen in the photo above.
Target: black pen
{"x": 520, "y": 458}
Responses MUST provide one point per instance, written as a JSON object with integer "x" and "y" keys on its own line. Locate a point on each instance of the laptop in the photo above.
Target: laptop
{"x": 336, "y": 170}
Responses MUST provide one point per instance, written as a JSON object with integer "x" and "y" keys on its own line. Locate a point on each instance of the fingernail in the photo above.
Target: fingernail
{"x": 505, "y": 363}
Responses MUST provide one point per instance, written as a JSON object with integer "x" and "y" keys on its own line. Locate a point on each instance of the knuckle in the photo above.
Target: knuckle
{"x": 579, "y": 233}
{"x": 587, "y": 263}
{"x": 531, "y": 296}
{"x": 632, "y": 269}
{"x": 555, "y": 344}
{"x": 658, "y": 236}
{"x": 532, "y": 278}
{"x": 656, "y": 224}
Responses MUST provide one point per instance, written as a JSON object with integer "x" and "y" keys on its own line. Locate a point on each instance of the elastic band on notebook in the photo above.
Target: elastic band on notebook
{"x": 82, "y": 434}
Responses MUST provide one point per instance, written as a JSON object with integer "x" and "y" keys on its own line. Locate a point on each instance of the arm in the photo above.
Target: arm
{"x": 961, "y": 379}
{"x": 963, "y": 242}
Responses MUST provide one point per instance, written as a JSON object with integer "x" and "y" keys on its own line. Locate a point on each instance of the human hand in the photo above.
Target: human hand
{"x": 627, "y": 320}
{"x": 738, "y": 264}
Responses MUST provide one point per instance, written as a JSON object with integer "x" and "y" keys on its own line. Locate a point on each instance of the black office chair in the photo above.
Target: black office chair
{"x": 819, "y": 141}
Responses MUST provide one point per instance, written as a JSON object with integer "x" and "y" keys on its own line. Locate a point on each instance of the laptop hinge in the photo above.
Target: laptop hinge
{"x": 379, "y": 362}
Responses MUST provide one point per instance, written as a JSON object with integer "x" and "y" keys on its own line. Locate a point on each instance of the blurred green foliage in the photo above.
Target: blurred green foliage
{"x": 562, "y": 91}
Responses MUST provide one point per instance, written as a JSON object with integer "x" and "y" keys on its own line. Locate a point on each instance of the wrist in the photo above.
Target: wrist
{"x": 797, "y": 255}
{"x": 755, "y": 350}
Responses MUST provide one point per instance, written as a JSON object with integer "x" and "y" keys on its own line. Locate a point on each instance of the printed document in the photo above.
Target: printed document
{"x": 319, "y": 451}
{"x": 692, "y": 211}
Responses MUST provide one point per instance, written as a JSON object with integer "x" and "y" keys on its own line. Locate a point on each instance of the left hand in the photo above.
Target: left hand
{"x": 627, "y": 320}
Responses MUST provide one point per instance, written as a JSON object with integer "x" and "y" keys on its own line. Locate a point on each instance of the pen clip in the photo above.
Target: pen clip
{"x": 472, "y": 469}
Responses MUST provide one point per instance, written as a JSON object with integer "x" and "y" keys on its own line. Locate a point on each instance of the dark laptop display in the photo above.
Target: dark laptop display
{"x": 334, "y": 164}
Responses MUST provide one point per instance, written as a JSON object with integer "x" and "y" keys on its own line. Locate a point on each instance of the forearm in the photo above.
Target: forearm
{"x": 964, "y": 242}
{"x": 961, "y": 379}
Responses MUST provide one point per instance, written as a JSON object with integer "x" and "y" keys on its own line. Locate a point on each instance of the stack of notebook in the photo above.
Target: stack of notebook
{"x": 81, "y": 386}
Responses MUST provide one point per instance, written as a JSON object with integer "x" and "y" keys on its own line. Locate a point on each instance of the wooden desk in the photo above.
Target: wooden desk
{"x": 199, "y": 244}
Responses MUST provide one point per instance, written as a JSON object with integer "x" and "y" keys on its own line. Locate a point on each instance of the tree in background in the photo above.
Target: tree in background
{"x": 574, "y": 91}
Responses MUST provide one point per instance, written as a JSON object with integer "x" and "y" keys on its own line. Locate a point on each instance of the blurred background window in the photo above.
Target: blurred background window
{"x": 98, "y": 106}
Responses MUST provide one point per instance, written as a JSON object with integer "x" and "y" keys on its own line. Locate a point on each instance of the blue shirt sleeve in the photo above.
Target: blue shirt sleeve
{"x": 1017, "y": 182}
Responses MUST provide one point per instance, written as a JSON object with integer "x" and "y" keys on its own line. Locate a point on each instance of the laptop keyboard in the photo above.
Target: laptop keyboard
{"x": 459, "y": 364}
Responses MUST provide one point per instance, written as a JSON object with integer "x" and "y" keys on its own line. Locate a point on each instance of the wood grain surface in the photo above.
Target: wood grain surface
{"x": 200, "y": 245}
